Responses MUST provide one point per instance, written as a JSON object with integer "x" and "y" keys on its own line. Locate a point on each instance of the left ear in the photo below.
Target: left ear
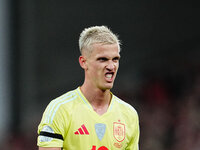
{"x": 82, "y": 62}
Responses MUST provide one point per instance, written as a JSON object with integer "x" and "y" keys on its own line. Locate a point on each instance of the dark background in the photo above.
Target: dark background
{"x": 159, "y": 70}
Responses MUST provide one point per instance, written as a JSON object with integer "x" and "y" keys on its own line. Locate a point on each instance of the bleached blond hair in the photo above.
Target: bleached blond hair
{"x": 97, "y": 34}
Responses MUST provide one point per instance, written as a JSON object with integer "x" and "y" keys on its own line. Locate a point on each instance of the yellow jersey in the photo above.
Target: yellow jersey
{"x": 70, "y": 122}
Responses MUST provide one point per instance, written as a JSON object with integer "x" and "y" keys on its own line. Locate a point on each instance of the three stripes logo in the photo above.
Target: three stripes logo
{"x": 82, "y": 130}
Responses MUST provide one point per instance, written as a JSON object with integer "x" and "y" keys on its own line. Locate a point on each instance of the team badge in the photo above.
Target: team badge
{"x": 100, "y": 129}
{"x": 119, "y": 131}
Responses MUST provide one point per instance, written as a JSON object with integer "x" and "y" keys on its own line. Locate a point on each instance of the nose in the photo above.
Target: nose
{"x": 110, "y": 66}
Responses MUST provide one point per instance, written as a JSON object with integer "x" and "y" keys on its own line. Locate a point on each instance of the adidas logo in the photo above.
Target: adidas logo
{"x": 83, "y": 130}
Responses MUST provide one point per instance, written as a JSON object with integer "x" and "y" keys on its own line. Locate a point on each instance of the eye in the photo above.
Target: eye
{"x": 102, "y": 59}
{"x": 116, "y": 59}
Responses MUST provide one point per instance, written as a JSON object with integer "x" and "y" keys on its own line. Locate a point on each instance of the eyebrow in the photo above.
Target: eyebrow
{"x": 105, "y": 58}
{"x": 117, "y": 57}
{"x": 102, "y": 57}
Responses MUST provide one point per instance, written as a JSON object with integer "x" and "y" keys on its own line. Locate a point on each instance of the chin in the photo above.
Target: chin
{"x": 107, "y": 87}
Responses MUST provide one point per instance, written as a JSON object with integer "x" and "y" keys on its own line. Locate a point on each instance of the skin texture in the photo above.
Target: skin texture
{"x": 103, "y": 59}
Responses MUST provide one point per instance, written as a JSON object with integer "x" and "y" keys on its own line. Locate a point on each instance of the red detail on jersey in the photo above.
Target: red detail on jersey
{"x": 83, "y": 130}
{"x": 76, "y": 132}
{"x": 100, "y": 148}
{"x": 119, "y": 131}
{"x": 93, "y": 148}
{"x": 80, "y": 131}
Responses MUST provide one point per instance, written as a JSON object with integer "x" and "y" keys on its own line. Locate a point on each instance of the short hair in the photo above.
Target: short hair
{"x": 97, "y": 34}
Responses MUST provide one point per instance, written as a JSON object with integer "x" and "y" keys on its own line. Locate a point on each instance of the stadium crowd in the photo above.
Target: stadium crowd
{"x": 170, "y": 113}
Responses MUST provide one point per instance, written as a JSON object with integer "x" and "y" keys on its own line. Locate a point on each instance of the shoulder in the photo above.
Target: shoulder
{"x": 126, "y": 107}
{"x": 64, "y": 100}
{"x": 59, "y": 106}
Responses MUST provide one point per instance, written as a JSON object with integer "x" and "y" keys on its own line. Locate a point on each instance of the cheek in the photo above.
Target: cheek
{"x": 97, "y": 71}
{"x": 94, "y": 69}
{"x": 117, "y": 66}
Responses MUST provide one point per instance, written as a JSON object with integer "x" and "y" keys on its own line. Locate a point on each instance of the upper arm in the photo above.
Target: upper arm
{"x": 51, "y": 129}
{"x": 49, "y": 148}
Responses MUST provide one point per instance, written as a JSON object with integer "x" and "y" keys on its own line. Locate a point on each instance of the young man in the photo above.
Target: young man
{"x": 91, "y": 117}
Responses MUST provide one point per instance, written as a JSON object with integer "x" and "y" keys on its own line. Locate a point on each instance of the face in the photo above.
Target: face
{"x": 101, "y": 65}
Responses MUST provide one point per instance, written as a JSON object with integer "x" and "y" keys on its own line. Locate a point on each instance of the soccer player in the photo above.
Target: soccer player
{"x": 91, "y": 117}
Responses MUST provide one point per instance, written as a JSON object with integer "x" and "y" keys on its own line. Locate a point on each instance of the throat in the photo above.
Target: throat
{"x": 101, "y": 110}
{"x": 100, "y": 106}
{"x": 99, "y": 100}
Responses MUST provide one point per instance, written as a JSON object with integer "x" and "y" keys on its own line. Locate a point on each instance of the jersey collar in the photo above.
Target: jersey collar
{"x": 83, "y": 98}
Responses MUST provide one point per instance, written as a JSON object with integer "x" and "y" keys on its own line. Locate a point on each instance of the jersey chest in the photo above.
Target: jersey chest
{"x": 87, "y": 130}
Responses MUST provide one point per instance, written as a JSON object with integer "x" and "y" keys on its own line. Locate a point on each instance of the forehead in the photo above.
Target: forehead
{"x": 106, "y": 50}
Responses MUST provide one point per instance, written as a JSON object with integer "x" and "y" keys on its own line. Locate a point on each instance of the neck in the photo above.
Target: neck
{"x": 99, "y": 99}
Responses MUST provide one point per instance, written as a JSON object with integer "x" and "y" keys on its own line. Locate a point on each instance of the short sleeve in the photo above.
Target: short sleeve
{"x": 51, "y": 130}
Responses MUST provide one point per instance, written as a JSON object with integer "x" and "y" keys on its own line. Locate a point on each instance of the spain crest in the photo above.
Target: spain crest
{"x": 119, "y": 131}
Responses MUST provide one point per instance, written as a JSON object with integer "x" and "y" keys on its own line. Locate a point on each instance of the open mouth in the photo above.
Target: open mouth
{"x": 109, "y": 75}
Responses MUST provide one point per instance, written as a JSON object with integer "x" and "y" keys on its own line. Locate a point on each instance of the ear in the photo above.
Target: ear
{"x": 82, "y": 62}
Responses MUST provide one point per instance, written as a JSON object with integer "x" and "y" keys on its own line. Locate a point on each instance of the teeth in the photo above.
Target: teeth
{"x": 109, "y": 76}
